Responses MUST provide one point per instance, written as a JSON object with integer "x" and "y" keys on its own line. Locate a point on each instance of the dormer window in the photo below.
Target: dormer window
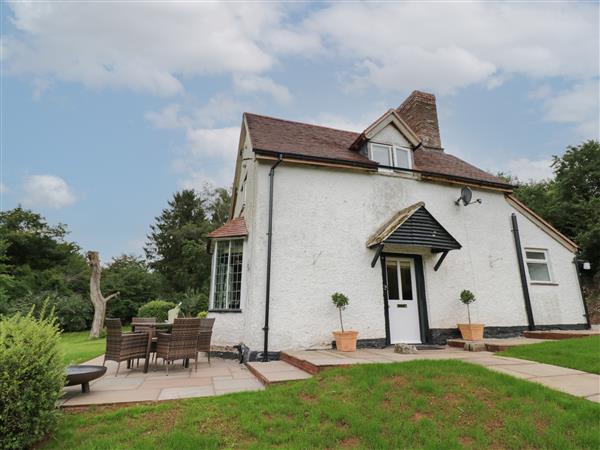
{"x": 391, "y": 155}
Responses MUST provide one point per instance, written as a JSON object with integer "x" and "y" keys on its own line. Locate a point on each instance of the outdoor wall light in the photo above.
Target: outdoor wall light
{"x": 466, "y": 194}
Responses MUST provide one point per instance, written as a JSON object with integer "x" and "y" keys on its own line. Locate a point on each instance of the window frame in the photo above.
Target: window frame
{"x": 392, "y": 148}
{"x": 213, "y": 276}
{"x": 545, "y": 261}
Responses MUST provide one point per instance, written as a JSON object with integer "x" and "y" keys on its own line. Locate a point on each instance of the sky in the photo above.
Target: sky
{"x": 108, "y": 108}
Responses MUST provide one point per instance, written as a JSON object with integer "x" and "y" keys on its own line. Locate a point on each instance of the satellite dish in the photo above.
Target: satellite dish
{"x": 466, "y": 195}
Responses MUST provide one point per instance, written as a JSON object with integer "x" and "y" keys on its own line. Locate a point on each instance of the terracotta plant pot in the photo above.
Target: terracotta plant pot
{"x": 345, "y": 341}
{"x": 471, "y": 332}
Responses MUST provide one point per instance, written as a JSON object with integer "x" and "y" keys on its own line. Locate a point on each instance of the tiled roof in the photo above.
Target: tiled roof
{"x": 302, "y": 139}
{"x": 232, "y": 228}
{"x": 277, "y": 135}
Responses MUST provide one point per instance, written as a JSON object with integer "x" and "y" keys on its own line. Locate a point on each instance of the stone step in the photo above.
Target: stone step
{"x": 560, "y": 334}
{"x": 494, "y": 344}
{"x": 276, "y": 372}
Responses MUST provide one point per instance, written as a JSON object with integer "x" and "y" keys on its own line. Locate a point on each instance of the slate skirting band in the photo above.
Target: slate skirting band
{"x": 441, "y": 335}
{"x": 438, "y": 336}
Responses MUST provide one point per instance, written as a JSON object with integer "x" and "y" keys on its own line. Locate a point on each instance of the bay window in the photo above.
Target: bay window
{"x": 227, "y": 275}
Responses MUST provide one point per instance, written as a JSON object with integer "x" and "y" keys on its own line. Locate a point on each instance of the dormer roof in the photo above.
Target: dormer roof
{"x": 389, "y": 117}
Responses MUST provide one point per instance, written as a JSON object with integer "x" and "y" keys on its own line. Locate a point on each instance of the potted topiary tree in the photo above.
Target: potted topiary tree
{"x": 345, "y": 341}
{"x": 470, "y": 331}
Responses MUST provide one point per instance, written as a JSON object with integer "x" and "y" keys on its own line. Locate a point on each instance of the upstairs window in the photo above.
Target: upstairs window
{"x": 227, "y": 274}
{"x": 538, "y": 265}
{"x": 391, "y": 155}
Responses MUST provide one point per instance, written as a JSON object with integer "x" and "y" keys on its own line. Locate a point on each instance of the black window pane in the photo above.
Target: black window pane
{"x": 406, "y": 281}
{"x": 392, "y": 279}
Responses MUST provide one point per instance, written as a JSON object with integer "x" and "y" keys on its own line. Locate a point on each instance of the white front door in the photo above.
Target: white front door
{"x": 402, "y": 301}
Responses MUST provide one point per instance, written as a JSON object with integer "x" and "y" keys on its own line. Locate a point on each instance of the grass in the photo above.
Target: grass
{"x": 77, "y": 347}
{"x": 417, "y": 404}
{"x": 580, "y": 353}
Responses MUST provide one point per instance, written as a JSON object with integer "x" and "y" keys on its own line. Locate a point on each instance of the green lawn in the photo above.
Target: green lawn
{"x": 78, "y": 347}
{"x": 580, "y": 353}
{"x": 417, "y": 404}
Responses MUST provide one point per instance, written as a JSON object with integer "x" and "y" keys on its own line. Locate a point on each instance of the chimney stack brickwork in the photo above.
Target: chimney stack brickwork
{"x": 420, "y": 113}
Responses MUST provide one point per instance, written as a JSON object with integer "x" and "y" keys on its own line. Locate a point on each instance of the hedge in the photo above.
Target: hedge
{"x": 32, "y": 376}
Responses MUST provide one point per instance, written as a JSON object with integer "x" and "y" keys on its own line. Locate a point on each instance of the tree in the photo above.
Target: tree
{"x": 137, "y": 285}
{"x": 176, "y": 246}
{"x": 98, "y": 300}
{"x": 36, "y": 257}
{"x": 571, "y": 200}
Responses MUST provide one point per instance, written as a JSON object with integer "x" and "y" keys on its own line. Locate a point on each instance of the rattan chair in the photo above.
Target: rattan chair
{"x": 181, "y": 343}
{"x": 123, "y": 346}
{"x": 206, "y": 326}
{"x": 137, "y": 324}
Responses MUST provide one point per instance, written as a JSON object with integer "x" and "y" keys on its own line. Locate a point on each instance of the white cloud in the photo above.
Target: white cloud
{"x": 3, "y": 188}
{"x": 210, "y": 151}
{"x": 448, "y": 46}
{"x": 530, "y": 170}
{"x": 169, "y": 117}
{"x": 143, "y": 47}
{"x": 152, "y": 47}
{"x": 254, "y": 83}
{"x": 214, "y": 142}
{"x": 579, "y": 106}
{"x": 47, "y": 191}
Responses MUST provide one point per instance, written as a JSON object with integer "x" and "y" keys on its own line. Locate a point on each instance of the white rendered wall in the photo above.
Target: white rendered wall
{"x": 322, "y": 219}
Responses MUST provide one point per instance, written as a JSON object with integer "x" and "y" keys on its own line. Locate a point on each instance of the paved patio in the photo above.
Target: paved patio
{"x": 222, "y": 377}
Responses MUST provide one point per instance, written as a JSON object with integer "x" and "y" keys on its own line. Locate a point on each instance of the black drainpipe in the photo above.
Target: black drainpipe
{"x": 269, "y": 236}
{"x": 515, "y": 230}
{"x": 578, "y": 263}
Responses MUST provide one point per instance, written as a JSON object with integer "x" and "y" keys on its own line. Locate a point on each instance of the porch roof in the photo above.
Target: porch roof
{"x": 414, "y": 226}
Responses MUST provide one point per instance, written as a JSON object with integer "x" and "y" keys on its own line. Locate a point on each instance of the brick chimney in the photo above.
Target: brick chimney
{"x": 420, "y": 113}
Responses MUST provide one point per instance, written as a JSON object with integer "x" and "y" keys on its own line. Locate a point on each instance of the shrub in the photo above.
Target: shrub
{"x": 467, "y": 297}
{"x": 193, "y": 301}
{"x": 340, "y": 301}
{"x": 32, "y": 376}
{"x": 156, "y": 308}
{"x": 74, "y": 313}
{"x": 202, "y": 315}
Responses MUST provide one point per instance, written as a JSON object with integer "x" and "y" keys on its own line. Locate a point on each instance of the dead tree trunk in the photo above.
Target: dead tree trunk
{"x": 98, "y": 300}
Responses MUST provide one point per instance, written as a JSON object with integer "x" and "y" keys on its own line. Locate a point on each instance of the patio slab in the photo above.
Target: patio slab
{"x": 133, "y": 385}
{"x": 276, "y": 372}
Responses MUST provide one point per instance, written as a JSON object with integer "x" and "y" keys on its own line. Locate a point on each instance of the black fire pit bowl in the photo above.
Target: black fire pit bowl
{"x": 83, "y": 375}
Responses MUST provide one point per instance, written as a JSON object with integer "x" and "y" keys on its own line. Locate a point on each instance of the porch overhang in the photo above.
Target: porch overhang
{"x": 414, "y": 226}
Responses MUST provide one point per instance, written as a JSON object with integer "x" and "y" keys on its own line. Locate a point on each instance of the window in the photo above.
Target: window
{"x": 381, "y": 154}
{"x": 391, "y": 155}
{"x": 227, "y": 274}
{"x": 537, "y": 265}
{"x": 399, "y": 280}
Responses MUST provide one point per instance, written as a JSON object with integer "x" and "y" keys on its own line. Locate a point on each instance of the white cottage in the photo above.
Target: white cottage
{"x": 375, "y": 215}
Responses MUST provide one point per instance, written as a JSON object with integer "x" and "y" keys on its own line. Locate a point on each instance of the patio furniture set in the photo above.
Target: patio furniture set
{"x": 181, "y": 340}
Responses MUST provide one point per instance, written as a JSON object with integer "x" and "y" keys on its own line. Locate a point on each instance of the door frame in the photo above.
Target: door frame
{"x": 421, "y": 297}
